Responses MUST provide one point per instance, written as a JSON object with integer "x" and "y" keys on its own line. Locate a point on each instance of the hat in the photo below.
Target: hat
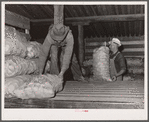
{"x": 58, "y": 32}
{"x": 117, "y": 41}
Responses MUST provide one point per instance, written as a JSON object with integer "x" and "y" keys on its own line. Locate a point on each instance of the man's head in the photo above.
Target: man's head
{"x": 58, "y": 32}
{"x": 114, "y": 44}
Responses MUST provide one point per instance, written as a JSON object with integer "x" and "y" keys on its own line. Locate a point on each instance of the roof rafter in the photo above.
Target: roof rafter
{"x": 107, "y": 18}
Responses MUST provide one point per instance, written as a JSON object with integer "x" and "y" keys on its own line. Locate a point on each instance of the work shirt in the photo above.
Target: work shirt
{"x": 119, "y": 61}
{"x": 52, "y": 46}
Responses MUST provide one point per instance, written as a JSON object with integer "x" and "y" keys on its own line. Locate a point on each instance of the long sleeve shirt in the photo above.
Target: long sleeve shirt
{"x": 68, "y": 42}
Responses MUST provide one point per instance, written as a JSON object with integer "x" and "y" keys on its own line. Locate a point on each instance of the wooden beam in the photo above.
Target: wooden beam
{"x": 125, "y": 50}
{"x": 81, "y": 44}
{"x": 17, "y": 20}
{"x": 80, "y": 23}
{"x": 124, "y": 53}
{"x": 107, "y": 18}
{"x": 124, "y": 46}
{"x": 121, "y": 38}
{"x": 87, "y": 57}
{"x": 98, "y": 43}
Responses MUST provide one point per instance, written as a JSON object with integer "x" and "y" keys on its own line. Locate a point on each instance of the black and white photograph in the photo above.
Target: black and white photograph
{"x": 74, "y": 60}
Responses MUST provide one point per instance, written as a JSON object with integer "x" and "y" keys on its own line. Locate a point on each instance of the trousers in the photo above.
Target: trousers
{"x": 74, "y": 65}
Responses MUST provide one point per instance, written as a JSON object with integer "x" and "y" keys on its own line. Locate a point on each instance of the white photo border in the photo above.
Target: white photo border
{"x": 71, "y": 114}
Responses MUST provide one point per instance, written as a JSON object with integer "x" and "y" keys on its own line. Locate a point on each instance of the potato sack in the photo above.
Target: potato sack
{"x": 101, "y": 64}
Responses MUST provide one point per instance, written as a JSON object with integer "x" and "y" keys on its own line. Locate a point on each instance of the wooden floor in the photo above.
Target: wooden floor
{"x": 101, "y": 95}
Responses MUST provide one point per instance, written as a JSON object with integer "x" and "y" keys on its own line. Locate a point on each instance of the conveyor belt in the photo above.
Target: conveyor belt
{"x": 120, "y": 94}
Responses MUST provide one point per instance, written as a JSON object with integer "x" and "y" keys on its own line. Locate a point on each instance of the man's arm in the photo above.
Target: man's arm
{"x": 44, "y": 52}
{"x": 122, "y": 71}
{"x": 67, "y": 53}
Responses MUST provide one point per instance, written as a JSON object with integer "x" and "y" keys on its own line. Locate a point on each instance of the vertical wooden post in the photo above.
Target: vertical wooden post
{"x": 58, "y": 14}
{"x": 81, "y": 44}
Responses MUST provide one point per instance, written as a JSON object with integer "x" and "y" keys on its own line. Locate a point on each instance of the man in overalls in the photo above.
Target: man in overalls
{"x": 58, "y": 36}
{"x": 117, "y": 61}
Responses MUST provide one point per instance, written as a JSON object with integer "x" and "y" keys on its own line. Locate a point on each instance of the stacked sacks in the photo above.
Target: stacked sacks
{"x": 13, "y": 83}
{"x": 128, "y": 77}
{"x": 88, "y": 62}
{"x": 101, "y": 64}
{"x": 33, "y": 86}
{"x": 15, "y": 66}
{"x": 135, "y": 65}
{"x": 33, "y": 49}
{"x": 87, "y": 68}
{"x": 17, "y": 44}
{"x": 21, "y": 68}
{"x": 135, "y": 68}
{"x": 14, "y": 46}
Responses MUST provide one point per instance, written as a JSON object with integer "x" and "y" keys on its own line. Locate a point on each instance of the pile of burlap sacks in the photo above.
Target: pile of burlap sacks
{"x": 22, "y": 78}
{"x": 99, "y": 66}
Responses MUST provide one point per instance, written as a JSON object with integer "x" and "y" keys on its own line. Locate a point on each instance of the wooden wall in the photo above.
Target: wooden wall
{"x": 131, "y": 46}
{"x": 17, "y": 20}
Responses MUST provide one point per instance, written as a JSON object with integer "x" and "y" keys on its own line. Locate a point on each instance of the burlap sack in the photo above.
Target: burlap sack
{"x": 128, "y": 78}
{"x": 101, "y": 64}
{"x": 11, "y": 84}
{"x": 88, "y": 62}
{"x": 135, "y": 65}
{"x": 33, "y": 49}
{"x": 15, "y": 66}
{"x": 15, "y": 44}
{"x": 135, "y": 70}
{"x": 136, "y": 62}
{"x": 43, "y": 86}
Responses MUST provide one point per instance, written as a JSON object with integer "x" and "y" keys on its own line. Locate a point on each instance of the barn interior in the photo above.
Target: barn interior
{"x": 92, "y": 26}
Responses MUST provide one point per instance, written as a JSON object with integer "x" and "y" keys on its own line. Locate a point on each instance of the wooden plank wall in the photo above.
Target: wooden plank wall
{"x": 19, "y": 22}
{"x": 16, "y": 20}
{"x": 131, "y": 46}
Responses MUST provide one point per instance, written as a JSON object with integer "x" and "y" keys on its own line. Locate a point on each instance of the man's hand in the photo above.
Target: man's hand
{"x": 114, "y": 78}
